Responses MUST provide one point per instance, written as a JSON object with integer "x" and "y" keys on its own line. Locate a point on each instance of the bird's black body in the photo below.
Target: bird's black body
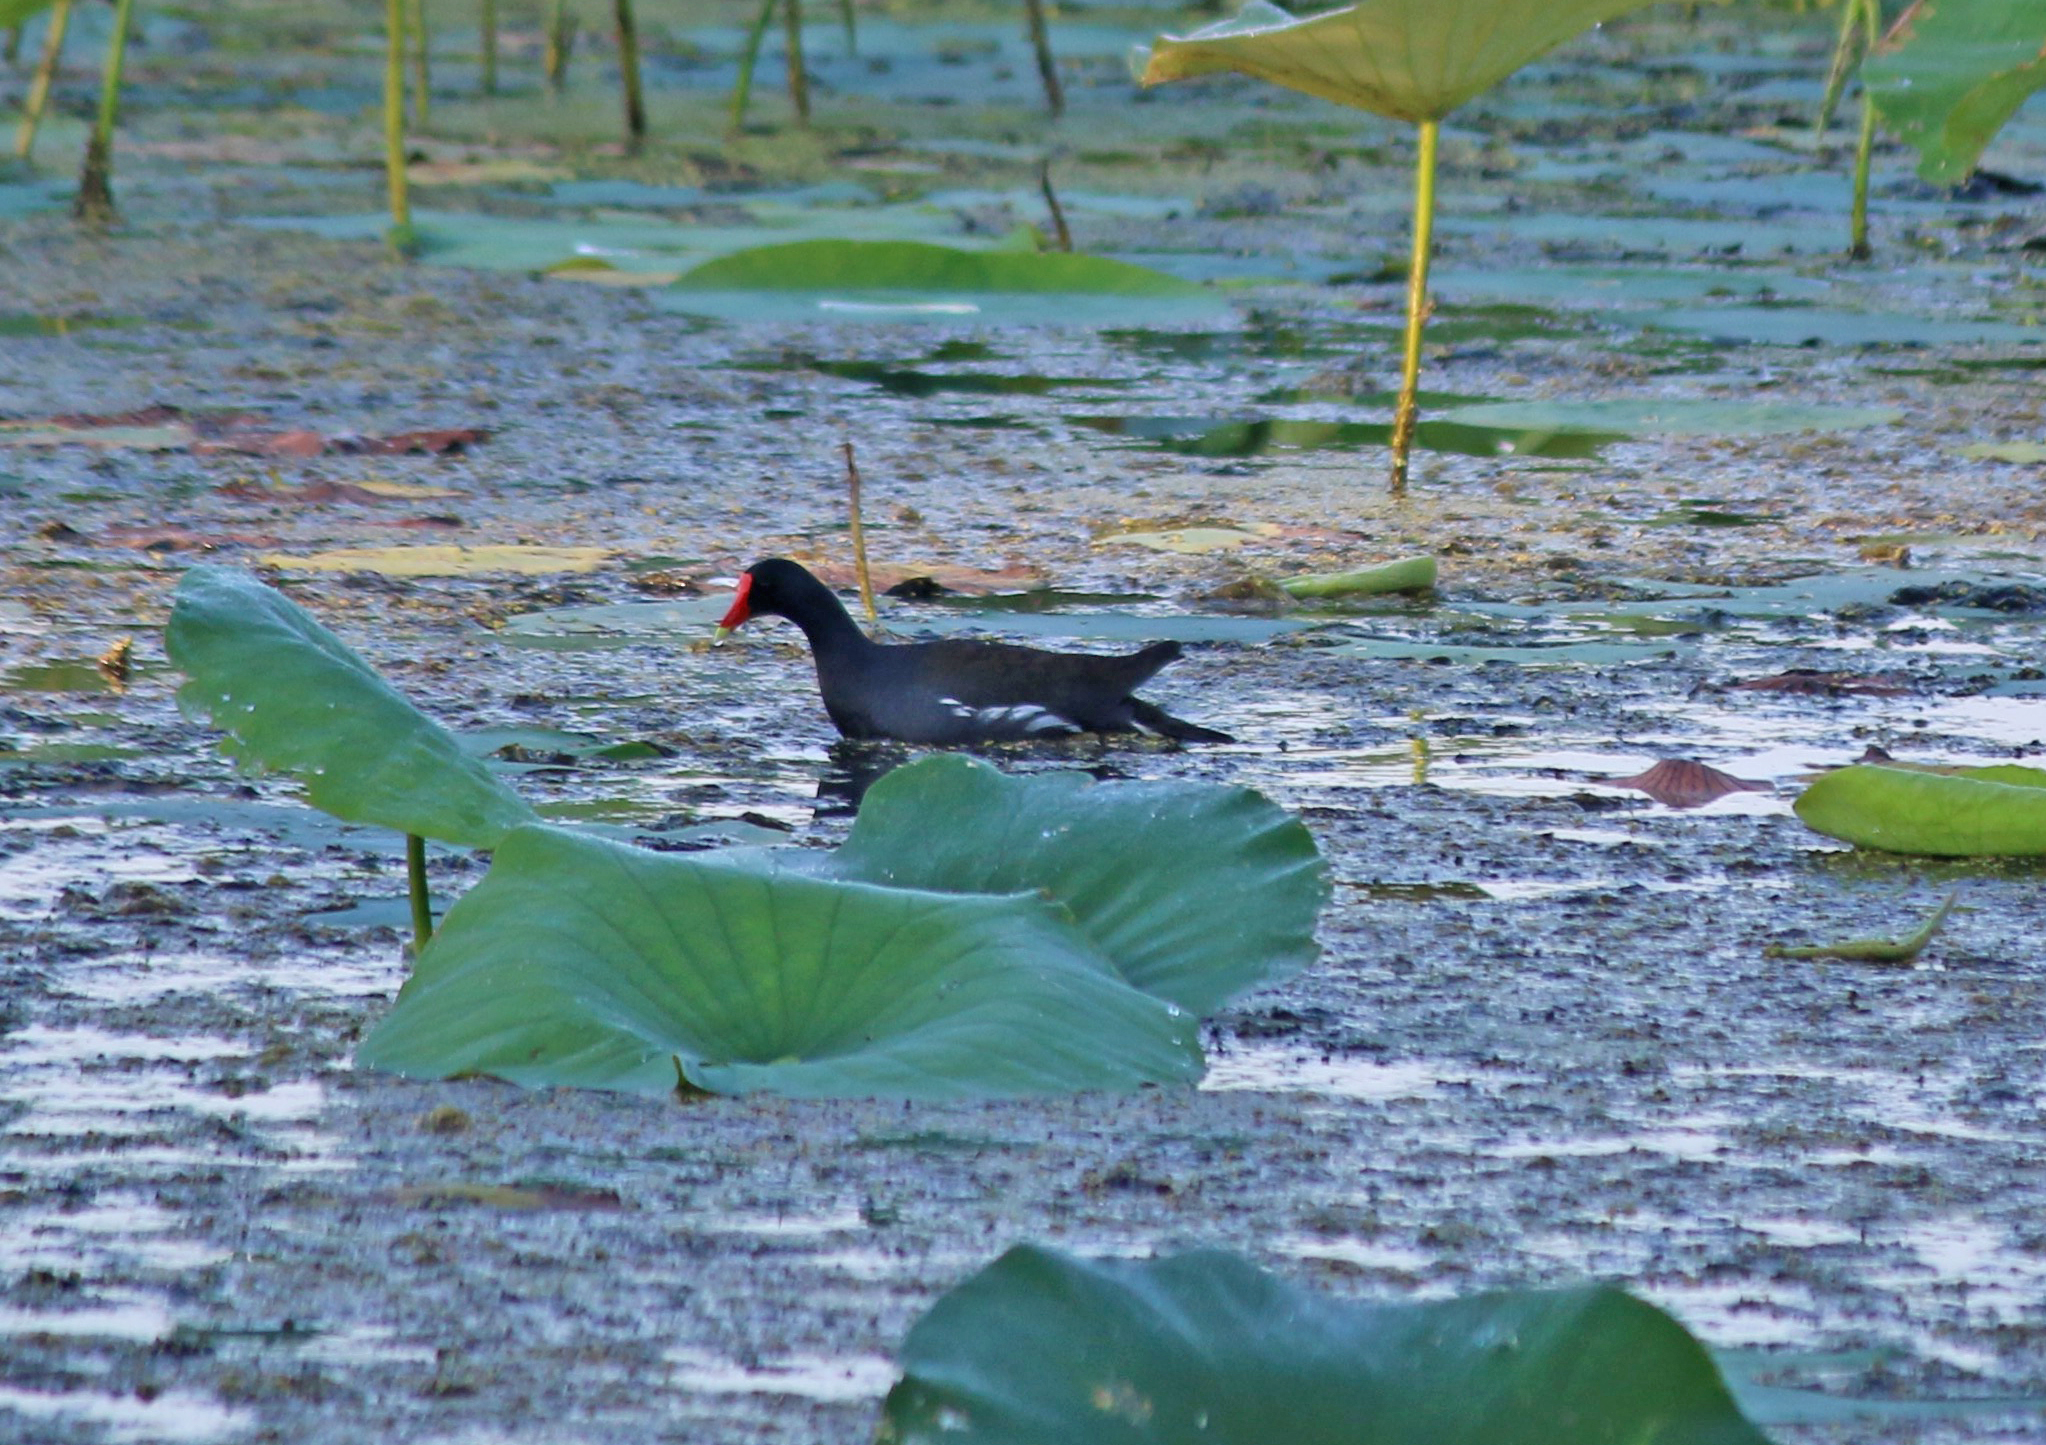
{"x": 954, "y": 691}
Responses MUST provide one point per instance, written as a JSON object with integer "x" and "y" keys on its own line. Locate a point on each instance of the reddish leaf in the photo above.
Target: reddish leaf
{"x": 177, "y": 539}
{"x": 448, "y": 441}
{"x": 1687, "y": 783}
{"x": 1806, "y": 682}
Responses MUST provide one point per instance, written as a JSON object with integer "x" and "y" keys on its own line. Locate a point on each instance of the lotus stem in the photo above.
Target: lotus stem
{"x": 422, "y": 66}
{"x": 749, "y": 56}
{"x": 1858, "y": 248}
{"x": 859, "y": 538}
{"x": 422, "y": 901}
{"x": 628, "y": 75}
{"x": 799, "y": 78}
{"x": 46, "y": 75}
{"x": 489, "y": 24}
{"x": 1063, "y": 232}
{"x": 560, "y": 39}
{"x": 1404, "y": 417}
{"x": 95, "y": 203}
{"x": 852, "y": 34}
{"x": 1047, "y": 64}
{"x": 1836, "y": 74}
{"x": 394, "y": 124}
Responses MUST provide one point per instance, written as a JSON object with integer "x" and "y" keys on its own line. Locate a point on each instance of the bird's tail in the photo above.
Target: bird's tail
{"x": 1155, "y": 719}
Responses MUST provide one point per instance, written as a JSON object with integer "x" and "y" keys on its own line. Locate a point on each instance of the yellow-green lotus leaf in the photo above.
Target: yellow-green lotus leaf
{"x": 1413, "y": 60}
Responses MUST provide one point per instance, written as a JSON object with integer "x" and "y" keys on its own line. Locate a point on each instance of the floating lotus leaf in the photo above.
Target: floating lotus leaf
{"x": 1041, "y": 1348}
{"x": 916, "y": 266}
{"x": 294, "y": 699}
{"x": 1414, "y": 60}
{"x": 1993, "y": 812}
{"x": 1949, "y": 75}
{"x": 1197, "y": 893}
{"x": 580, "y": 961}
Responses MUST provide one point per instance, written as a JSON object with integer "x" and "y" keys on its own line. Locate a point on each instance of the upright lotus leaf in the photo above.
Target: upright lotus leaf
{"x": 293, "y": 698}
{"x": 1413, "y": 60}
{"x": 1198, "y": 893}
{"x": 1994, "y": 812}
{"x": 1041, "y": 1348}
{"x": 581, "y": 961}
{"x": 1949, "y": 74}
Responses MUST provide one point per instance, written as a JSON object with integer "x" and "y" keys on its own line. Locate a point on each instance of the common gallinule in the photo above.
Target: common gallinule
{"x": 956, "y": 691}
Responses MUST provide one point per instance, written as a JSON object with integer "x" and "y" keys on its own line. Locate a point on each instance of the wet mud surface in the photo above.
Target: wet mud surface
{"x": 1543, "y": 1043}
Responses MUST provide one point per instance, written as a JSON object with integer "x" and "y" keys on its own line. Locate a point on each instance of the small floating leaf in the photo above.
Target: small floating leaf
{"x": 2024, "y": 453}
{"x": 1996, "y": 812}
{"x": 1041, "y": 1348}
{"x": 1672, "y": 417}
{"x": 1414, "y": 574}
{"x": 580, "y": 961}
{"x": 294, "y": 698}
{"x": 919, "y": 267}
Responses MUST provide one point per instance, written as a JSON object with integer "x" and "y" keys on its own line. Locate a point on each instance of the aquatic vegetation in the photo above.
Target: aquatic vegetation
{"x": 976, "y": 934}
{"x": 1412, "y": 60}
{"x": 1948, "y": 76}
{"x": 1044, "y": 1346}
{"x": 1989, "y": 812}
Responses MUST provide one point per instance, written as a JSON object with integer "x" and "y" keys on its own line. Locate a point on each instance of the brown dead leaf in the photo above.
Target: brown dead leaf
{"x": 1687, "y": 783}
{"x": 1807, "y": 682}
{"x": 945, "y": 577}
{"x": 177, "y": 539}
{"x": 446, "y": 441}
{"x": 508, "y": 1196}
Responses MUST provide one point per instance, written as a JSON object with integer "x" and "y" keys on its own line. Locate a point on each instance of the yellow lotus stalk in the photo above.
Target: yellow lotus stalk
{"x": 1411, "y": 60}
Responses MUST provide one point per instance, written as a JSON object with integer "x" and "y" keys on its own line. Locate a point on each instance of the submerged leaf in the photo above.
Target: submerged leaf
{"x": 1197, "y": 893}
{"x": 1041, "y": 1348}
{"x": 1413, "y": 60}
{"x": 1948, "y": 76}
{"x": 580, "y": 961}
{"x": 295, "y": 699}
{"x": 1993, "y": 812}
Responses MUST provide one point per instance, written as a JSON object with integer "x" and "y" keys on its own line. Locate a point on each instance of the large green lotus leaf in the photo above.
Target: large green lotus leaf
{"x": 294, "y": 699}
{"x": 581, "y": 961}
{"x": 14, "y": 12}
{"x": 1198, "y": 893}
{"x": 1996, "y": 812}
{"x": 1412, "y": 60}
{"x": 1950, "y": 73}
{"x": 924, "y": 269}
{"x": 1043, "y": 1349}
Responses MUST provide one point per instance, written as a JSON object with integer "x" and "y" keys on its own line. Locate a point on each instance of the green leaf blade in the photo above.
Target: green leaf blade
{"x": 579, "y": 961}
{"x": 1949, "y": 76}
{"x": 1198, "y": 893}
{"x": 294, "y": 699}
{"x": 1985, "y": 813}
{"x": 1045, "y": 1347}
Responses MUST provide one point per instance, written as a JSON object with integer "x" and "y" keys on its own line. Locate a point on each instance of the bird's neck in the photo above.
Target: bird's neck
{"x": 826, "y": 623}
